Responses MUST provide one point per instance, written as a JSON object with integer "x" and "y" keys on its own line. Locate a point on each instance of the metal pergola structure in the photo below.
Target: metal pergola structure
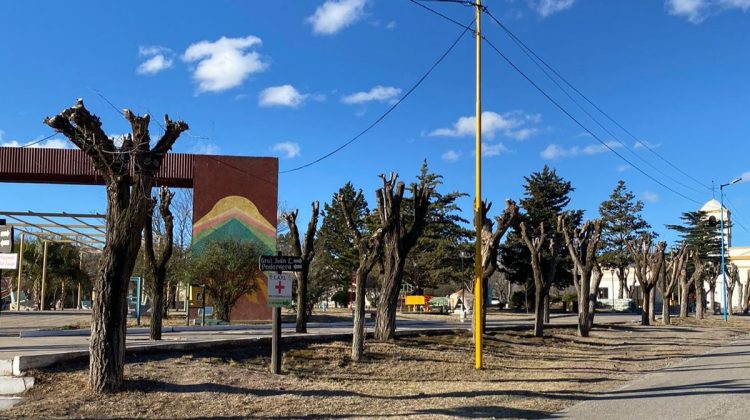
{"x": 87, "y": 231}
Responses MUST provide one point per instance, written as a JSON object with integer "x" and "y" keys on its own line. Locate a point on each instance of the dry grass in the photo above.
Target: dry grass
{"x": 426, "y": 376}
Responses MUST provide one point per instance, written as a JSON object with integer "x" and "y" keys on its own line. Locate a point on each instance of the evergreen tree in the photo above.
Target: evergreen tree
{"x": 621, "y": 215}
{"x": 702, "y": 234}
{"x": 336, "y": 257}
{"x": 546, "y": 196}
{"x": 435, "y": 261}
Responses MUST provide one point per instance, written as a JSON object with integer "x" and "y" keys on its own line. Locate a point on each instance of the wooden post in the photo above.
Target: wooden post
{"x": 44, "y": 277}
{"x": 276, "y": 340}
{"x": 20, "y": 271}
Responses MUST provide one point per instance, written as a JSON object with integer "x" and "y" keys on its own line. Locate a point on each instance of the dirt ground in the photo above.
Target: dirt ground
{"x": 423, "y": 376}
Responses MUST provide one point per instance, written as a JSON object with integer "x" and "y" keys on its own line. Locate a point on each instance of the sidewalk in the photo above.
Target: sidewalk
{"x": 714, "y": 385}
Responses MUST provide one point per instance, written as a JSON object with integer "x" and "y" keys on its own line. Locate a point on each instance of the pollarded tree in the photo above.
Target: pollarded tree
{"x": 546, "y": 196}
{"x": 400, "y": 237}
{"x": 696, "y": 279}
{"x": 622, "y": 222}
{"x": 544, "y": 269}
{"x": 370, "y": 249}
{"x": 336, "y": 256}
{"x": 582, "y": 245}
{"x": 229, "y": 269}
{"x": 673, "y": 269}
{"x": 306, "y": 251}
{"x": 158, "y": 265}
{"x": 648, "y": 266}
{"x": 128, "y": 172}
{"x": 703, "y": 236}
{"x": 733, "y": 279}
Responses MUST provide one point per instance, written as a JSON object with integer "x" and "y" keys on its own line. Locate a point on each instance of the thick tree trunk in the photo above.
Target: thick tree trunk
{"x": 684, "y": 298}
{"x": 546, "y": 308}
{"x": 539, "y": 312}
{"x": 652, "y": 306}
{"x": 385, "y": 322}
{"x": 623, "y": 279}
{"x": 302, "y": 278}
{"x": 583, "y": 313}
{"x": 665, "y": 317}
{"x": 700, "y": 295}
{"x": 593, "y": 294}
{"x": 157, "y": 309}
{"x": 645, "y": 312}
{"x": 358, "y": 337}
{"x": 746, "y": 297}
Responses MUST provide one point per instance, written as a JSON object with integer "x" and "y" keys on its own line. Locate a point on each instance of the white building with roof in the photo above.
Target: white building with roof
{"x": 739, "y": 255}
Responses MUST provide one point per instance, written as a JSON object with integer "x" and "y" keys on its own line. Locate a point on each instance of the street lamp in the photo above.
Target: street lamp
{"x": 723, "y": 269}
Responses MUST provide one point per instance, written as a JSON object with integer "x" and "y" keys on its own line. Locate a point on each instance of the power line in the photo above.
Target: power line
{"x": 566, "y": 112}
{"x": 33, "y": 143}
{"x": 535, "y": 59}
{"x": 524, "y": 47}
{"x": 389, "y": 110}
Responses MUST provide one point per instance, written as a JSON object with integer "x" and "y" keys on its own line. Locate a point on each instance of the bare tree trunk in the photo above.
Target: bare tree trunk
{"x": 711, "y": 298}
{"x": 622, "y": 276}
{"x": 652, "y": 305}
{"x": 539, "y": 312}
{"x": 397, "y": 242}
{"x": 596, "y": 276}
{"x": 665, "y": 316}
{"x": 358, "y": 339}
{"x": 646, "y": 307}
{"x": 127, "y": 205}
{"x": 684, "y": 298}
{"x": 746, "y": 296}
{"x": 546, "y": 308}
{"x": 158, "y": 265}
{"x": 306, "y": 251}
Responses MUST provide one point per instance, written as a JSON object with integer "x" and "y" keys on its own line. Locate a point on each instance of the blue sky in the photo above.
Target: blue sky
{"x": 296, "y": 79}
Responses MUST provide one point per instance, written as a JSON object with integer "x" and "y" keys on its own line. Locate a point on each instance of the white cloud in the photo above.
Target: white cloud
{"x": 547, "y": 8}
{"x": 378, "y": 93}
{"x": 451, "y": 156}
{"x": 650, "y": 196}
{"x": 511, "y": 124}
{"x": 205, "y": 148}
{"x": 391, "y": 25}
{"x": 335, "y": 15}
{"x": 287, "y": 149}
{"x": 490, "y": 150}
{"x": 285, "y": 95}
{"x": 225, "y": 63}
{"x": 696, "y": 11}
{"x": 554, "y": 152}
{"x": 160, "y": 59}
{"x": 745, "y": 177}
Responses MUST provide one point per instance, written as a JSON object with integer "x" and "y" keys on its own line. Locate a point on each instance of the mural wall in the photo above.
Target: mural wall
{"x": 236, "y": 197}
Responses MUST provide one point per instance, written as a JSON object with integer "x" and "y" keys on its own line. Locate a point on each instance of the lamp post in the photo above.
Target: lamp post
{"x": 612, "y": 277}
{"x": 723, "y": 268}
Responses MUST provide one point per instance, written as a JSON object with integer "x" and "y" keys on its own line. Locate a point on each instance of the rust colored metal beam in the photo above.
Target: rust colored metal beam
{"x": 72, "y": 166}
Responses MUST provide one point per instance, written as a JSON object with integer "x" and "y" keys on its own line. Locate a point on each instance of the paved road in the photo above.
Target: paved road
{"x": 11, "y": 346}
{"x": 714, "y": 385}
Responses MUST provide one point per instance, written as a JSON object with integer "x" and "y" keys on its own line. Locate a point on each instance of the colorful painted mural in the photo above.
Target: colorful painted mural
{"x": 236, "y": 198}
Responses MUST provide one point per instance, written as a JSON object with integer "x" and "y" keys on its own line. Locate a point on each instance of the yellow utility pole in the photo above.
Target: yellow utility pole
{"x": 478, "y": 300}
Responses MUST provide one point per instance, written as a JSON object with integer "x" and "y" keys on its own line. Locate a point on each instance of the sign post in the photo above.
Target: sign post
{"x": 279, "y": 294}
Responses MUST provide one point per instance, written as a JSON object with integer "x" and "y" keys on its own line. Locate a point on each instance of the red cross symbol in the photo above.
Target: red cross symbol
{"x": 279, "y": 287}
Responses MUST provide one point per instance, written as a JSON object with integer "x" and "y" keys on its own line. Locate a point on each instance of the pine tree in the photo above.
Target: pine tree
{"x": 435, "y": 261}
{"x": 546, "y": 196}
{"x": 621, "y": 215}
{"x": 336, "y": 256}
